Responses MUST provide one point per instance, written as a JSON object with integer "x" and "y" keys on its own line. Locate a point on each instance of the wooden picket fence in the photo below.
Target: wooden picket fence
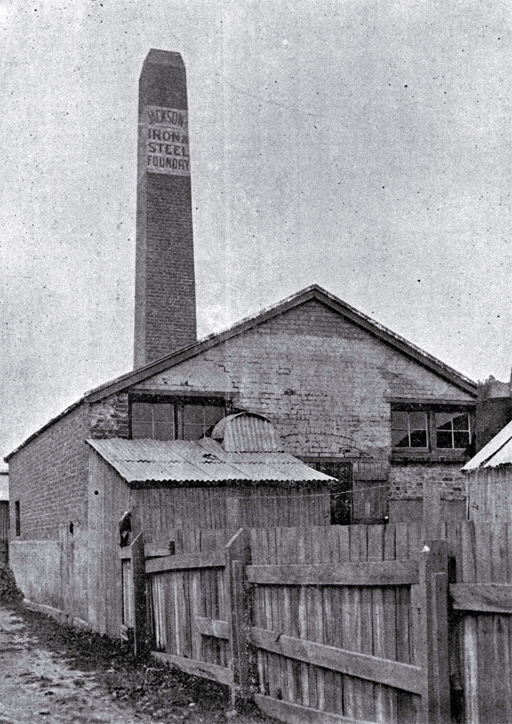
{"x": 335, "y": 624}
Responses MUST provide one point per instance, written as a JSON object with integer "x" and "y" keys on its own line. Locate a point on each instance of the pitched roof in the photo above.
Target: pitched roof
{"x": 313, "y": 292}
{"x": 498, "y": 451}
{"x": 199, "y": 461}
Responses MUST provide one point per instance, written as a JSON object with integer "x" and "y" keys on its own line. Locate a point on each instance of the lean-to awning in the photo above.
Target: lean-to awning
{"x": 200, "y": 461}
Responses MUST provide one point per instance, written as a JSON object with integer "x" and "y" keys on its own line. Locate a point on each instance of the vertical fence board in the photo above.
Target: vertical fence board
{"x": 502, "y": 701}
{"x": 433, "y": 586}
{"x": 358, "y": 552}
{"x": 390, "y": 600}
{"x": 468, "y": 574}
{"x": 378, "y": 621}
{"x": 373, "y": 621}
{"x": 486, "y": 692}
{"x": 195, "y": 598}
{"x": 139, "y": 594}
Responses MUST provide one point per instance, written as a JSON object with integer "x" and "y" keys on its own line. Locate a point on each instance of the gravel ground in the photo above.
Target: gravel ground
{"x": 58, "y": 675}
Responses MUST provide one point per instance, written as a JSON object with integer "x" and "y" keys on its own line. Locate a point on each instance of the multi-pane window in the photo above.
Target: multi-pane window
{"x": 175, "y": 419}
{"x": 153, "y": 420}
{"x": 420, "y": 429}
{"x": 198, "y": 419}
{"x": 453, "y": 430}
{"x": 409, "y": 429}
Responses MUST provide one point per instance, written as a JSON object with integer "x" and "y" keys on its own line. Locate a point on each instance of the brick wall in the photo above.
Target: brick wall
{"x": 324, "y": 382}
{"x": 319, "y": 378}
{"x": 49, "y": 475}
{"x": 406, "y": 481}
{"x": 169, "y": 294}
{"x": 109, "y": 417}
{"x": 49, "y": 478}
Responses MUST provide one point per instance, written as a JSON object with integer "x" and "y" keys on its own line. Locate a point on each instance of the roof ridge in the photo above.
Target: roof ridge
{"x": 314, "y": 291}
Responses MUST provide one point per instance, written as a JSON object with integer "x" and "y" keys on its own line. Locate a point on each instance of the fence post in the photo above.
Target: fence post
{"x": 139, "y": 595}
{"x": 435, "y": 701}
{"x": 238, "y": 555}
{"x": 431, "y": 510}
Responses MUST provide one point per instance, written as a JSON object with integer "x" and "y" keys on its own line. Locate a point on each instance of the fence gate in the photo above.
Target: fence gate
{"x": 341, "y": 621}
{"x": 327, "y": 624}
{"x": 482, "y": 602}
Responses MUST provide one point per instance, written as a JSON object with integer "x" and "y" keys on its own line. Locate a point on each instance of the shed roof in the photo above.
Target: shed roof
{"x": 498, "y": 451}
{"x": 199, "y": 461}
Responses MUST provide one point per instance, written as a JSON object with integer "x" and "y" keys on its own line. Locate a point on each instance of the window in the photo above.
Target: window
{"x": 153, "y": 420}
{"x": 436, "y": 430}
{"x": 17, "y": 517}
{"x": 409, "y": 429}
{"x": 453, "y": 430}
{"x": 164, "y": 418}
{"x": 199, "y": 418}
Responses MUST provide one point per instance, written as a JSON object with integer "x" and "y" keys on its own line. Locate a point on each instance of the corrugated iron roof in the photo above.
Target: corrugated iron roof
{"x": 498, "y": 451}
{"x": 247, "y": 432}
{"x": 199, "y": 461}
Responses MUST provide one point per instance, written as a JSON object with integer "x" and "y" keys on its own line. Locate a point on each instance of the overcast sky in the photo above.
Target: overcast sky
{"x": 363, "y": 146}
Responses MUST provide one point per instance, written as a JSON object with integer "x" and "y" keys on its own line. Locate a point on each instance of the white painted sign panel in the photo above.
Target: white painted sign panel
{"x": 167, "y": 146}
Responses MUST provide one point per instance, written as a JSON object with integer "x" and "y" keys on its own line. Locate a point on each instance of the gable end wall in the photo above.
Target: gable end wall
{"x": 49, "y": 478}
{"x": 321, "y": 379}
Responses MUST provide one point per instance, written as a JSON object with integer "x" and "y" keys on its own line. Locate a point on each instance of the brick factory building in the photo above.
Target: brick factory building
{"x": 344, "y": 395}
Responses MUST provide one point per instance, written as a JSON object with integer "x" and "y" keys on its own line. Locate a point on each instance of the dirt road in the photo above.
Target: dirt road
{"x": 56, "y": 675}
{"x": 36, "y": 686}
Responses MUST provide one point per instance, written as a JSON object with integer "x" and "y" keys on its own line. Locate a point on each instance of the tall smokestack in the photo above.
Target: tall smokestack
{"x": 165, "y": 303}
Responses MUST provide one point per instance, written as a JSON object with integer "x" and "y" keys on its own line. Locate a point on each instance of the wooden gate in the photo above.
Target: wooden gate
{"x": 482, "y": 625}
{"x": 327, "y": 624}
{"x": 341, "y": 623}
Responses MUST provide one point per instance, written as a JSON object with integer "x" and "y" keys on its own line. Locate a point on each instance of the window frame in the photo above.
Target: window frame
{"x": 432, "y": 452}
{"x": 17, "y": 518}
{"x": 179, "y": 401}
{"x": 415, "y": 448}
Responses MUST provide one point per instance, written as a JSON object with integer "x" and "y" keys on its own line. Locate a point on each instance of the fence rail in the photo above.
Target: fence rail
{"x": 344, "y": 623}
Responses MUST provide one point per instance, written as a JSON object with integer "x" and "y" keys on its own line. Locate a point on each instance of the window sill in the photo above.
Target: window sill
{"x": 429, "y": 457}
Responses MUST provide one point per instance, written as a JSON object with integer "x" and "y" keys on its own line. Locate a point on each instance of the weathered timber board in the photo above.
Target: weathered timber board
{"x": 382, "y": 671}
{"x": 181, "y": 562}
{"x": 212, "y": 627}
{"x": 297, "y": 714}
{"x": 197, "y": 668}
{"x": 483, "y": 597}
{"x": 382, "y": 573}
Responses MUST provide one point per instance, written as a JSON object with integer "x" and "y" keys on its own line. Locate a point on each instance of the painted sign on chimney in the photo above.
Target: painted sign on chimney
{"x": 167, "y": 141}
{"x": 165, "y": 296}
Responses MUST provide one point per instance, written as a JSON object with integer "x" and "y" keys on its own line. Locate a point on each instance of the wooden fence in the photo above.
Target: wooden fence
{"x": 4, "y": 532}
{"x": 336, "y": 624}
{"x": 482, "y": 603}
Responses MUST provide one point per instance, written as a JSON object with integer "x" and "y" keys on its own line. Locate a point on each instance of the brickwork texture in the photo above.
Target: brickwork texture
{"x": 165, "y": 306}
{"x": 323, "y": 382}
{"x": 49, "y": 478}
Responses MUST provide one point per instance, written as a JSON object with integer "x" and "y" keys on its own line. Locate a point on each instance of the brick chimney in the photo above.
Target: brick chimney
{"x": 165, "y": 303}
